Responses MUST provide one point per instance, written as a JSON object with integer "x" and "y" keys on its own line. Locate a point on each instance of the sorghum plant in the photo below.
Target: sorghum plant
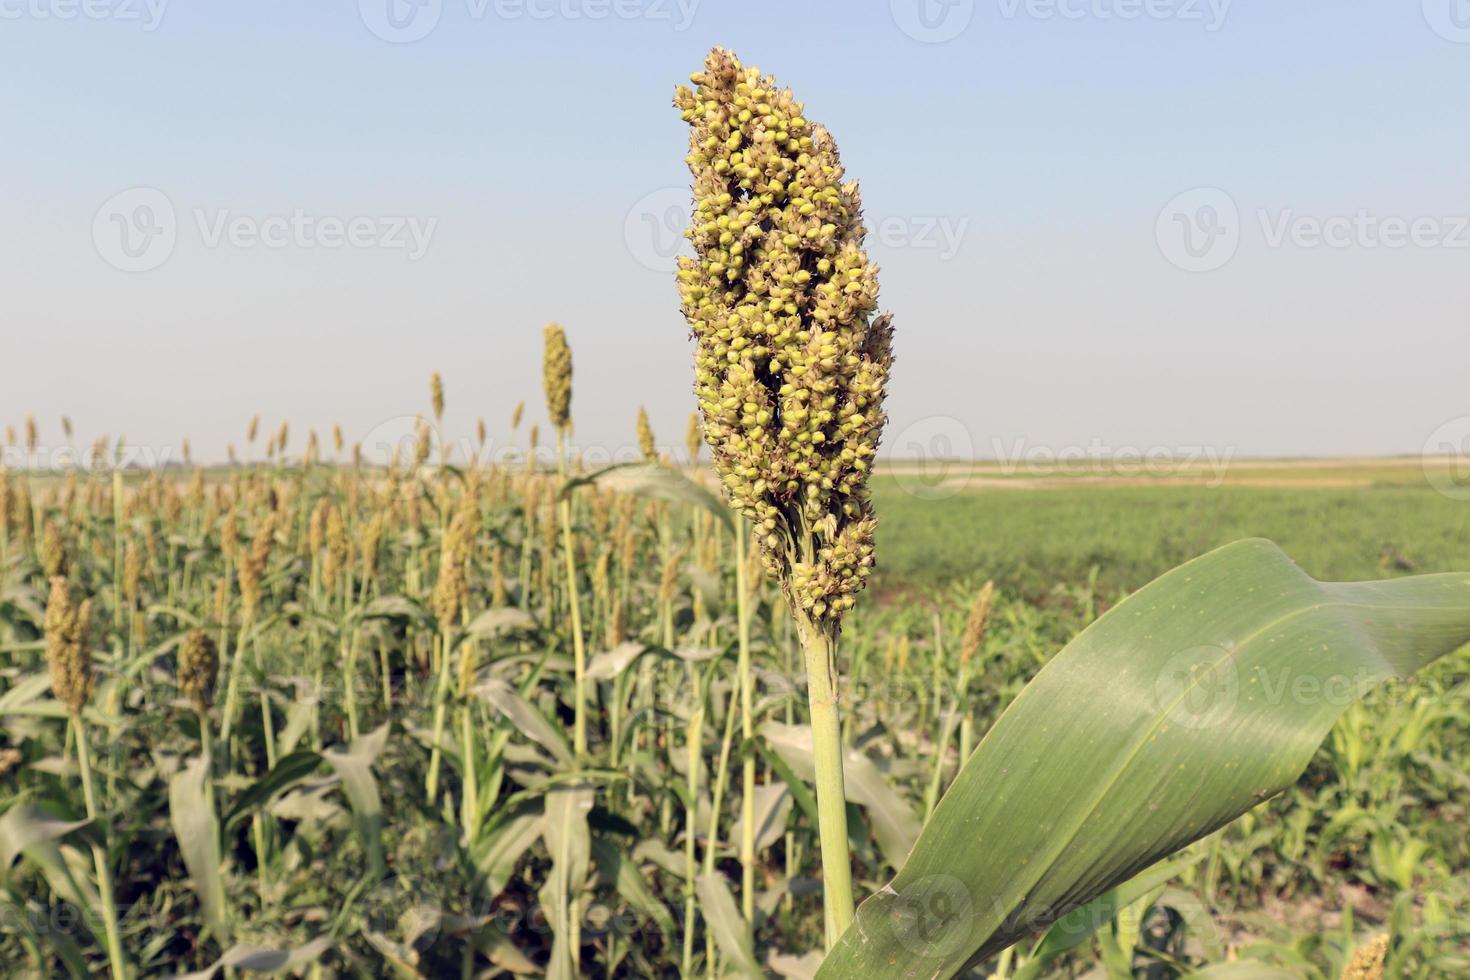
{"x": 790, "y": 367}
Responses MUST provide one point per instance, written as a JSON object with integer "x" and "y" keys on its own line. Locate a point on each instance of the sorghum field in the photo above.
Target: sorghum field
{"x": 332, "y": 718}
{"x": 480, "y": 714}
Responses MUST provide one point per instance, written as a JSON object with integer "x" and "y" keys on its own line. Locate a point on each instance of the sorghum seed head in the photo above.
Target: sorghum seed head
{"x": 53, "y": 551}
{"x": 557, "y": 376}
{"x": 1368, "y": 960}
{"x": 515, "y": 416}
{"x": 198, "y": 668}
{"x": 694, "y": 438}
{"x": 253, "y": 430}
{"x": 436, "y": 394}
{"x": 132, "y": 573}
{"x": 423, "y": 444}
{"x": 67, "y": 626}
{"x": 975, "y": 624}
{"x": 790, "y": 362}
{"x": 645, "y": 437}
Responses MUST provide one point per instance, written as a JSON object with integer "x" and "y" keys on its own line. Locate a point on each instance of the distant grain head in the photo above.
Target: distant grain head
{"x": 70, "y": 664}
{"x": 556, "y": 377}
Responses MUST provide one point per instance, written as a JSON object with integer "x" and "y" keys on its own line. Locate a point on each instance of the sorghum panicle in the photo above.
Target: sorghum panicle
{"x": 198, "y": 668}
{"x": 67, "y": 626}
{"x": 790, "y": 361}
{"x": 557, "y": 376}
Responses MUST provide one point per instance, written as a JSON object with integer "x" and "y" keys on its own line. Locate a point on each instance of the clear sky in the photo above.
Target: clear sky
{"x": 1109, "y": 223}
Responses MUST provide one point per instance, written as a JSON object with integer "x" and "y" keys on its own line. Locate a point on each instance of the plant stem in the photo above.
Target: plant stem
{"x": 99, "y": 858}
{"x": 819, "y": 648}
{"x": 579, "y": 651}
{"x": 747, "y": 732}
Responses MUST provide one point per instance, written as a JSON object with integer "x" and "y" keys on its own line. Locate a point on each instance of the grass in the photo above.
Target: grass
{"x": 1032, "y": 540}
{"x": 326, "y": 843}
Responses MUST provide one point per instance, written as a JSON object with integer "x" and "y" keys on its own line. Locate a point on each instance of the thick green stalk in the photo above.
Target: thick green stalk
{"x": 579, "y": 650}
{"x": 819, "y": 648}
{"x": 441, "y": 699}
{"x": 232, "y": 686}
{"x": 747, "y": 731}
{"x": 99, "y": 858}
{"x": 692, "y": 759}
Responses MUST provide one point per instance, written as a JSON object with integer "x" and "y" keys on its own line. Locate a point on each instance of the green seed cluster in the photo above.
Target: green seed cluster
{"x": 556, "y": 367}
{"x": 646, "y": 444}
{"x": 67, "y": 626}
{"x": 198, "y": 668}
{"x": 790, "y": 361}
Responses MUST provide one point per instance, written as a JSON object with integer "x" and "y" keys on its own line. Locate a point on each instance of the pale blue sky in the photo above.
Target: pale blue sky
{"x": 1019, "y": 170}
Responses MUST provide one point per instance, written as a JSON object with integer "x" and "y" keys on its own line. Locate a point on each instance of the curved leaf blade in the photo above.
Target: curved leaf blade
{"x": 1180, "y": 709}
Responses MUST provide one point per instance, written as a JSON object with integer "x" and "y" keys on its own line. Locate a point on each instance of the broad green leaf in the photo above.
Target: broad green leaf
{"x": 27, "y": 825}
{"x": 191, "y": 812}
{"x": 657, "y": 482}
{"x": 354, "y": 766}
{"x": 1177, "y": 711}
{"x": 732, "y": 935}
{"x": 501, "y": 847}
{"x": 258, "y": 959}
{"x": 611, "y": 663}
{"x": 622, "y": 872}
{"x": 894, "y": 823}
{"x": 570, "y": 846}
{"x": 494, "y": 622}
{"x": 773, "y": 803}
{"x": 527, "y": 720}
{"x": 289, "y": 771}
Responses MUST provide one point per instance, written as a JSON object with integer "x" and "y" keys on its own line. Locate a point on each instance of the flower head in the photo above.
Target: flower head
{"x": 67, "y": 626}
{"x": 557, "y": 376}
{"x": 791, "y": 362}
{"x": 198, "y": 668}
